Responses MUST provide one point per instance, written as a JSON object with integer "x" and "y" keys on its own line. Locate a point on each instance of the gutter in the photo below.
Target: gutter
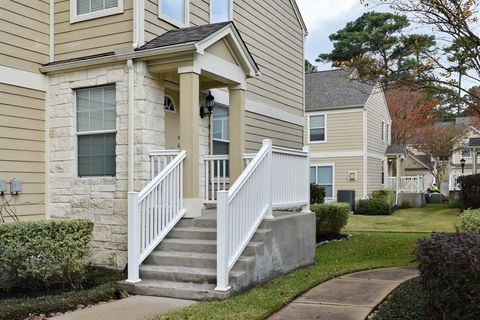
{"x": 131, "y": 125}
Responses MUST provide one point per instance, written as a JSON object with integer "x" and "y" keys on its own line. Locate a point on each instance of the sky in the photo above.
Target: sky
{"x": 324, "y": 17}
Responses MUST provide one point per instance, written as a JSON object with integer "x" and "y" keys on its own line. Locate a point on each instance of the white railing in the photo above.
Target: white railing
{"x": 453, "y": 184}
{"x": 250, "y": 199}
{"x": 153, "y": 212}
{"x": 412, "y": 184}
{"x": 216, "y": 175}
{"x": 159, "y": 159}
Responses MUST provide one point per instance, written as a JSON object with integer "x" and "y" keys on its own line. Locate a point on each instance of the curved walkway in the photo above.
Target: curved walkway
{"x": 349, "y": 297}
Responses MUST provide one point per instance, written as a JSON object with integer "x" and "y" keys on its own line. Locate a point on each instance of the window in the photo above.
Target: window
{"x": 221, "y": 130}
{"x": 383, "y": 172}
{"x": 387, "y": 131}
{"x": 323, "y": 176}
{"x": 169, "y": 104}
{"x": 466, "y": 152}
{"x": 383, "y": 131}
{"x": 317, "y": 128}
{"x": 96, "y": 131}
{"x": 174, "y": 12}
{"x": 221, "y": 10}
{"x": 90, "y": 9}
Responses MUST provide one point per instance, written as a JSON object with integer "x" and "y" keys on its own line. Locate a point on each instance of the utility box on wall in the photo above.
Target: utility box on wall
{"x": 15, "y": 186}
{"x": 347, "y": 196}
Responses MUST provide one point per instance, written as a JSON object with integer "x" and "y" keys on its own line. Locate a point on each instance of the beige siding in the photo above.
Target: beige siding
{"x": 374, "y": 181}
{"x": 344, "y": 132}
{"x": 342, "y": 168}
{"x": 260, "y": 127}
{"x": 22, "y": 147}
{"x": 24, "y": 34}
{"x": 377, "y": 111}
{"x": 93, "y": 36}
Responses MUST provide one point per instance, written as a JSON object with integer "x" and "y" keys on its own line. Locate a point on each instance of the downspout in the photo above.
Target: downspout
{"x": 131, "y": 125}
{"x": 365, "y": 152}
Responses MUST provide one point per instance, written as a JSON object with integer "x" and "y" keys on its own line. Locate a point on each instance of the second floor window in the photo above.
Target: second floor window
{"x": 220, "y": 10}
{"x": 317, "y": 128}
{"x": 89, "y": 6}
{"x": 174, "y": 11}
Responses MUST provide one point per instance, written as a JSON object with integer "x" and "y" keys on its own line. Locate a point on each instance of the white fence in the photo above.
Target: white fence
{"x": 273, "y": 173}
{"x": 412, "y": 184}
{"x": 160, "y": 159}
{"x": 153, "y": 212}
{"x": 453, "y": 184}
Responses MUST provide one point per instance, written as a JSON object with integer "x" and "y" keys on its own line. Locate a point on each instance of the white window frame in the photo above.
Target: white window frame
{"x": 387, "y": 132}
{"x": 324, "y": 127}
{"x": 74, "y": 17}
{"x": 223, "y": 120}
{"x": 332, "y": 165}
{"x": 383, "y": 135}
{"x": 464, "y": 146}
{"x": 172, "y": 21}
{"x": 167, "y": 96}
{"x": 88, "y": 133}
{"x": 230, "y": 13}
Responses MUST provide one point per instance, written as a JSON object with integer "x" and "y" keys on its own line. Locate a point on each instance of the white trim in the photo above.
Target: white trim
{"x": 22, "y": 78}
{"x": 383, "y": 134}
{"x": 332, "y": 165}
{"x": 174, "y": 104}
{"x": 171, "y": 20}
{"x": 47, "y": 154}
{"x": 365, "y": 155}
{"x": 346, "y": 110}
{"x": 138, "y": 23}
{"x": 52, "y": 31}
{"x": 339, "y": 154}
{"x": 230, "y": 13}
{"x": 325, "y": 117}
{"x": 375, "y": 155}
{"x": 220, "y": 67}
{"x": 298, "y": 14}
{"x": 74, "y": 17}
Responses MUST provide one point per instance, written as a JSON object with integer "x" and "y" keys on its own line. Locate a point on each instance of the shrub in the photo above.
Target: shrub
{"x": 469, "y": 192}
{"x": 317, "y": 194}
{"x": 373, "y": 207}
{"x": 449, "y": 269}
{"x": 386, "y": 195}
{"x": 469, "y": 221}
{"x": 454, "y": 204}
{"x": 43, "y": 254}
{"x": 331, "y": 218}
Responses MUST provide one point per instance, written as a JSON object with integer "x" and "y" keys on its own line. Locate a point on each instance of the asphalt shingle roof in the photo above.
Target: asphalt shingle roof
{"x": 334, "y": 89}
{"x": 396, "y": 149}
{"x": 474, "y": 142}
{"x": 183, "y": 35}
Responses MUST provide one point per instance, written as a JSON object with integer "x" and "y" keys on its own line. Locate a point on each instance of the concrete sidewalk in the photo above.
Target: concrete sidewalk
{"x": 131, "y": 308}
{"x": 350, "y": 297}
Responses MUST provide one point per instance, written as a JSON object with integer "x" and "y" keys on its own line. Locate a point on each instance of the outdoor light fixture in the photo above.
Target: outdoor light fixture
{"x": 207, "y": 109}
{"x": 462, "y": 163}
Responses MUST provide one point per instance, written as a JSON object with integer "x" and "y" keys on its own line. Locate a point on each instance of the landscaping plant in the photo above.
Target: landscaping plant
{"x": 317, "y": 194}
{"x": 331, "y": 218}
{"x": 449, "y": 265}
{"x": 385, "y": 195}
{"x": 373, "y": 207}
{"x": 469, "y": 221}
{"x": 43, "y": 254}
{"x": 469, "y": 192}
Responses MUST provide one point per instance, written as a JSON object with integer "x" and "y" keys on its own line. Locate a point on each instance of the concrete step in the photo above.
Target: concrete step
{"x": 184, "y": 274}
{"x": 203, "y": 246}
{"x": 171, "y": 289}
{"x": 203, "y": 233}
{"x": 192, "y": 259}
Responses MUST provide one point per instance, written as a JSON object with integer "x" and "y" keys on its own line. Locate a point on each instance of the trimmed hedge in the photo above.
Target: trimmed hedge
{"x": 331, "y": 218}
{"x": 450, "y": 273}
{"x": 373, "y": 207}
{"x": 469, "y": 192}
{"x": 385, "y": 195}
{"x": 43, "y": 254}
{"x": 469, "y": 221}
{"x": 317, "y": 194}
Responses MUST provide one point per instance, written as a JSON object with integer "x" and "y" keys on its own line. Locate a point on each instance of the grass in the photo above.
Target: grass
{"x": 435, "y": 217}
{"x": 100, "y": 286}
{"x": 363, "y": 251}
{"x": 407, "y": 302}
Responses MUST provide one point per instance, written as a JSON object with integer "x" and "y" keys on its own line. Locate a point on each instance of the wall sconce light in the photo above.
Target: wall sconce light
{"x": 462, "y": 163}
{"x": 207, "y": 109}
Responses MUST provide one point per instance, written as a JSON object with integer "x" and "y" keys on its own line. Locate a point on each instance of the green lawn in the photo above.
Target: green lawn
{"x": 432, "y": 218}
{"x": 363, "y": 251}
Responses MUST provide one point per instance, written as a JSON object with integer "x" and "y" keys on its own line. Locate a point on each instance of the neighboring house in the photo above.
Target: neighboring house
{"x": 97, "y": 98}
{"x": 348, "y": 129}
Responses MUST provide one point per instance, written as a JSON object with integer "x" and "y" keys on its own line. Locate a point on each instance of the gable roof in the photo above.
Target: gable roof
{"x": 396, "y": 149}
{"x": 334, "y": 89}
{"x": 299, "y": 16}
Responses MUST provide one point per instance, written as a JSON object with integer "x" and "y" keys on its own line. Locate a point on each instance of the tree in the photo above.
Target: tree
{"x": 309, "y": 67}
{"x": 439, "y": 141}
{"x": 377, "y": 46}
{"x": 409, "y": 110}
{"x": 456, "y": 23}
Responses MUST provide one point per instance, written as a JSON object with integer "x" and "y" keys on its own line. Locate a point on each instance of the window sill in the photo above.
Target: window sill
{"x": 74, "y": 18}
{"x": 173, "y": 22}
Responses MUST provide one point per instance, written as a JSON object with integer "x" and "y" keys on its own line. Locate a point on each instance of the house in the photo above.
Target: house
{"x": 348, "y": 128}
{"x": 136, "y": 114}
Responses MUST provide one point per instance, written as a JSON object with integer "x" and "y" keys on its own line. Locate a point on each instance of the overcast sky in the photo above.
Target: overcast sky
{"x": 324, "y": 17}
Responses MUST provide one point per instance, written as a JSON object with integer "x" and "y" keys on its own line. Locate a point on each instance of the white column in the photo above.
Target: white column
{"x": 385, "y": 173}
{"x": 399, "y": 176}
{"x": 475, "y": 163}
{"x": 223, "y": 242}
{"x": 306, "y": 208}
{"x": 133, "y": 238}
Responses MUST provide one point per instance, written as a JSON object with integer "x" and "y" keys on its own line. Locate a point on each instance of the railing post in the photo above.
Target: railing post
{"x": 306, "y": 208}
{"x": 223, "y": 242}
{"x": 269, "y": 191}
{"x": 133, "y": 238}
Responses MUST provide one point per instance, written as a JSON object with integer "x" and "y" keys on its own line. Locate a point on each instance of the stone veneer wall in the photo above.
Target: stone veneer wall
{"x": 102, "y": 200}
